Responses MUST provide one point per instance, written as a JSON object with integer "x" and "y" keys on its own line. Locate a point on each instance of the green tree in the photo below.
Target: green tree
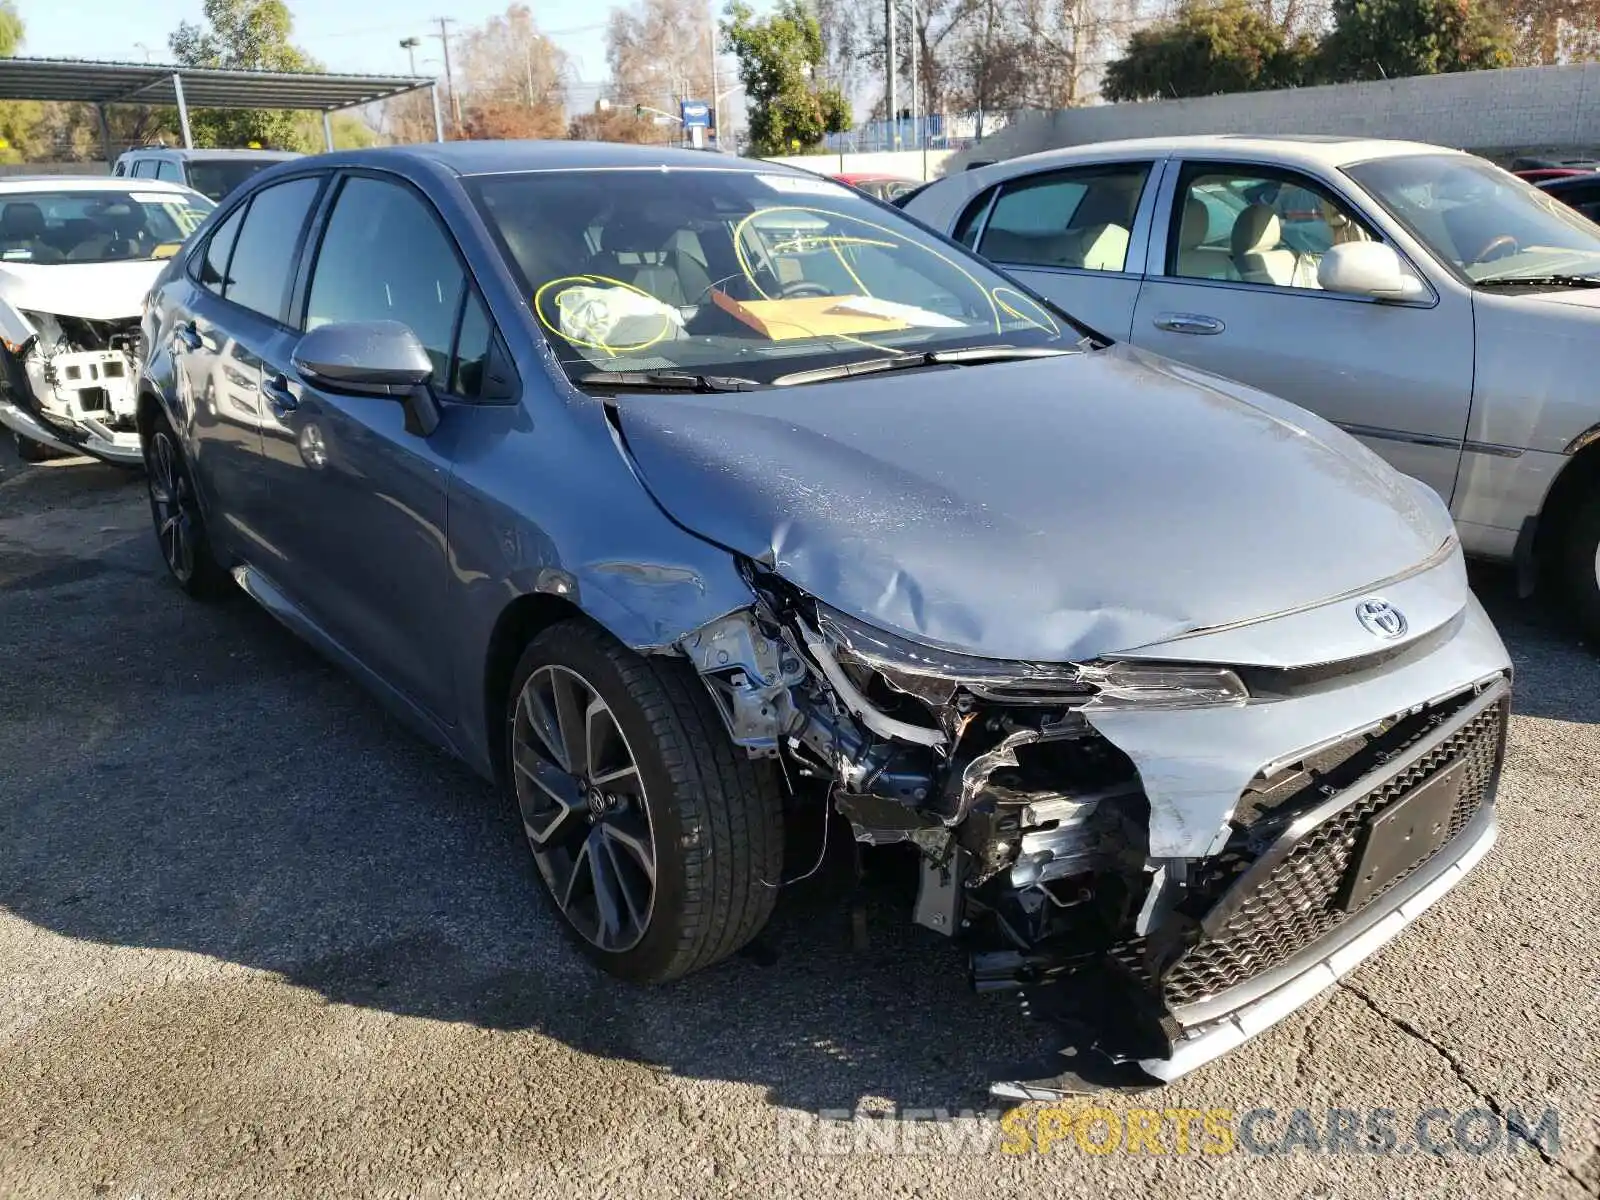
{"x": 1384, "y": 39}
{"x": 789, "y": 108}
{"x": 1207, "y": 48}
{"x": 248, "y": 35}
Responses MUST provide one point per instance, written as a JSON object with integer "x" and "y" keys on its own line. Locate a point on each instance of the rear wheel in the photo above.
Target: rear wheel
{"x": 175, "y": 511}
{"x": 660, "y": 843}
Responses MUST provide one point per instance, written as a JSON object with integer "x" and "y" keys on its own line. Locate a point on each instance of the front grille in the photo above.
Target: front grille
{"x": 1294, "y": 905}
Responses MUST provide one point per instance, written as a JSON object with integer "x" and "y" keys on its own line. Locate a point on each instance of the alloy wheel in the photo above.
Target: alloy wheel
{"x": 584, "y": 808}
{"x": 172, "y": 503}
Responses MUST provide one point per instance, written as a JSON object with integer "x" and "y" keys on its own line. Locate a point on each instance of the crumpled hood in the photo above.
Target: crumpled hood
{"x": 94, "y": 291}
{"x": 1049, "y": 510}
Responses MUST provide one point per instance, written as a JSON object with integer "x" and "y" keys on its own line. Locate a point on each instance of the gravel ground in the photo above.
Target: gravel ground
{"x": 257, "y": 939}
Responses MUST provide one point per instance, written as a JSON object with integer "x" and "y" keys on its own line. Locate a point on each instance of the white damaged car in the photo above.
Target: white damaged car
{"x": 78, "y": 255}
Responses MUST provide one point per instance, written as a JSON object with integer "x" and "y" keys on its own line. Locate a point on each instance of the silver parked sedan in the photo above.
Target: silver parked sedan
{"x": 1431, "y": 304}
{"x": 691, "y": 498}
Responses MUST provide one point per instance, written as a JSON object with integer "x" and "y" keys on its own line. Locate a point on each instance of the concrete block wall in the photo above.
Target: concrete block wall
{"x": 1495, "y": 113}
{"x": 907, "y": 164}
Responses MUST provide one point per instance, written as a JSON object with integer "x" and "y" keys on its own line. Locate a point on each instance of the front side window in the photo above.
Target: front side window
{"x": 733, "y": 272}
{"x": 1249, "y": 225}
{"x": 1484, "y": 223}
{"x": 264, "y": 252}
{"x": 360, "y": 276}
{"x": 170, "y": 171}
{"x": 1080, "y": 218}
{"x": 98, "y": 225}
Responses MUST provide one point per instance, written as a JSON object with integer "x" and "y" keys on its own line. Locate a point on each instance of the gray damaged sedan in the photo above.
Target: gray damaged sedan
{"x": 689, "y": 498}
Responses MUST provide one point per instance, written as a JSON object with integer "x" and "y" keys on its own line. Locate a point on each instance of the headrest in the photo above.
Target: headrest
{"x": 1196, "y": 226}
{"x": 22, "y": 219}
{"x": 634, "y": 231}
{"x": 1256, "y": 231}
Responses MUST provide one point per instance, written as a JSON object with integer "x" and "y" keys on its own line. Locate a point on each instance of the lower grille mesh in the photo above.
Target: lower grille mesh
{"x": 1293, "y": 906}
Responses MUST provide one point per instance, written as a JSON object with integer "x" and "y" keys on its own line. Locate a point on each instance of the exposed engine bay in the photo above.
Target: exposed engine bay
{"x": 72, "y": 384}
{"x": 1032, "y": 828}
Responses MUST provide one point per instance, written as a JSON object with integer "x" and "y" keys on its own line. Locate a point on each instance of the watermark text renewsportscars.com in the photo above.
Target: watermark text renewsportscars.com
{"x": 1101, "y": 1130}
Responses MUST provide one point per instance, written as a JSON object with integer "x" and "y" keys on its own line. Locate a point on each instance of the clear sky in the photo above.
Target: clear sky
{"x": 345, "y": 36}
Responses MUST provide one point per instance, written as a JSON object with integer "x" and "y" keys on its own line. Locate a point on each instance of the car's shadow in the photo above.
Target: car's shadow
{"x": 194, "y": 778}
{"x": 1557, "y": 674}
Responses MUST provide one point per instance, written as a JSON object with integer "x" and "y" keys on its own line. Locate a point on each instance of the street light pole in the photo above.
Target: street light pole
{"x": 409, "y": 45}
{"x": 892, "y": 96}
{"x": 449, "y": 80}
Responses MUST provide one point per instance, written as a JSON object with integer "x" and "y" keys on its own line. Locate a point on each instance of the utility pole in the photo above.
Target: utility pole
{"x": 409, "y": 45}
{"x": 892, "y": 64}
{"x": 449, "y": 80}
{"x": 916, "y": 106}
{"x": 716, "y": 116}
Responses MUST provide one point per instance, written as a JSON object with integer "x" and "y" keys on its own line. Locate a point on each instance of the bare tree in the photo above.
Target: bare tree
{"x": 512, "y": 79}
{"x": 660, "y": 52}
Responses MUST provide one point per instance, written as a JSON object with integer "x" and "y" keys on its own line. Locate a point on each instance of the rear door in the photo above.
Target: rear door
{"x": 1075, "y": 234}
{"x": 238, "y": 305}
{"x": 1232, "y": 288}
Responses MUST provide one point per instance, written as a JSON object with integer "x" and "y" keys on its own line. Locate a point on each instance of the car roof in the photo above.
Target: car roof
{"x": 200, "y": 155}
{"x": 491, "y": 158}
{"x": 1303, "y": 150}
{"x": 86, "y": 183}
{"x": 1569, "y": 183}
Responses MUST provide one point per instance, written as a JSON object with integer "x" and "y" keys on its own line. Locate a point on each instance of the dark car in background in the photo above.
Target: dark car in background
{"x": 1581, "y": 192}
{"x": 694, "y": 500}
{"x": 212, "y": 173}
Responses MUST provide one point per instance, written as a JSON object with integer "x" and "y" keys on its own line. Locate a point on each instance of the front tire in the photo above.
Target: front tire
{"x": 660, "y": 842}
{"x": 175, "y": 511}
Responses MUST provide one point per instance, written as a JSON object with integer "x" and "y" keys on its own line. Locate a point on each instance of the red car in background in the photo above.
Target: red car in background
{"x": 883, "y": 187}
{"x": 1545, "y": 174}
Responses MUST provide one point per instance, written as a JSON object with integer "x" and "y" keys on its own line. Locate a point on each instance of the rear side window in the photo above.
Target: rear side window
{"x": 144, "y": 168}
{"x": 120, "y": 169}
{"x": 167, "y": 169}
{"x": 214, "y": 265}
{"x": 1080, "y": 218}
{"x": 966, "y": 230}
{"x": 264, "y": 252}
{"x": 385, "y": 258}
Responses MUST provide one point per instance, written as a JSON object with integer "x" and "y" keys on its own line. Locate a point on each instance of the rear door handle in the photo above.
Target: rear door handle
{"x": 276, "y": 390}
{"x": 1188, "y": 323}
{"x": 188, "y": 335}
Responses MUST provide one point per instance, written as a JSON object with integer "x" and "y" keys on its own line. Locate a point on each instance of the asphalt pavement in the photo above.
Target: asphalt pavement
{"x": 257, "y": 939}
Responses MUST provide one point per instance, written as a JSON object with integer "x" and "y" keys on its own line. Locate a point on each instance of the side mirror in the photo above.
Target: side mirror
{"x": 1367, "y": 269}
{"x": 372, "y": 358}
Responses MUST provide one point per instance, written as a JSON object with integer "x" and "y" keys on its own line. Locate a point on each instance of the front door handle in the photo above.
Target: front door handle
{"x": 1174, "y": 322}
{"x": 186, "y": 333}
{"x": 276, "y": 390}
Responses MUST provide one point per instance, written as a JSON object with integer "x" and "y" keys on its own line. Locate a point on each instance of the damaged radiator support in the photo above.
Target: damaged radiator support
{"x": 1027, "y": 823}
{"x": 77, "y": 379}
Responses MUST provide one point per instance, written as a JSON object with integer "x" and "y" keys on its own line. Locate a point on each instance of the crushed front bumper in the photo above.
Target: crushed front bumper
{"x": 1340, "y": 878}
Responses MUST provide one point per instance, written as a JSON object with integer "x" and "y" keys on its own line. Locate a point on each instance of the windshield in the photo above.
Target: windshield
{"x": 739, "y": 274}
{"x": 96, "y": 226}
{"x": 1484, "y": 222}
{"x": 217, "y": 177}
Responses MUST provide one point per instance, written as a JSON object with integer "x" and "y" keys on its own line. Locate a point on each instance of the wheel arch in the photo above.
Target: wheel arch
{"x": 522, "y": 620}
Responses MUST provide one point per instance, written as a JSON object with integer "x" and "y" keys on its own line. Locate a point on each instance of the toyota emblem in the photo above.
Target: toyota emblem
{"x": 1381, "y": 619}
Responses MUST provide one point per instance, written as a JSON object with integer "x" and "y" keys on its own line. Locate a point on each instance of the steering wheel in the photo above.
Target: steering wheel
{"x": 804, "y": 287}
{"x": 1504, "y": 244}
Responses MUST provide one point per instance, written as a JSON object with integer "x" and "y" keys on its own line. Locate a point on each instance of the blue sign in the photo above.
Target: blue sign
{"x": 696, "y": 114}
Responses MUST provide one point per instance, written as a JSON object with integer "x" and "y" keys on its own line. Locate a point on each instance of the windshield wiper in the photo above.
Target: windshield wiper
{"x": 668, "y": 381}
{"x": 965, "y": 356}
{"x": 1572, "y": 281}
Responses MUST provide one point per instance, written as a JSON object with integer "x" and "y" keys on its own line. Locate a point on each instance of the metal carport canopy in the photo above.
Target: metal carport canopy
{"x": 103, "y": 83}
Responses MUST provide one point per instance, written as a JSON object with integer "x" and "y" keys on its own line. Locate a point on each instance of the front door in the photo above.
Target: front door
{"x": 363, "y": 501}
{"x": 1233, "y": 290}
